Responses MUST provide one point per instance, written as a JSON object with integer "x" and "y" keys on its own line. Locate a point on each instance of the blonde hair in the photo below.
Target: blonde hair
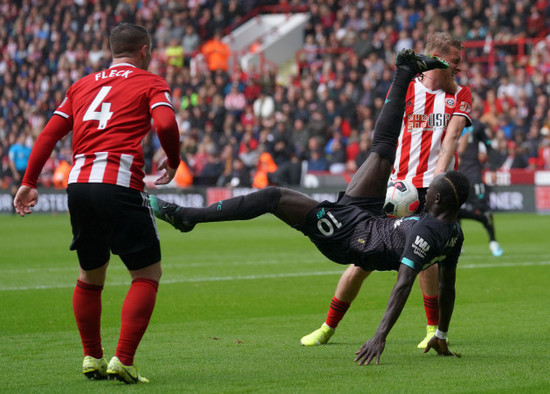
{"x": 441, "y": 43}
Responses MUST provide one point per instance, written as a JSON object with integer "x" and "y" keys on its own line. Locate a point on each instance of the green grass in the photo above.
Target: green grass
{"x": 236, "y": 297}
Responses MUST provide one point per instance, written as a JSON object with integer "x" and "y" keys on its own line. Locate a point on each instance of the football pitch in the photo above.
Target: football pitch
{"x": 236, "y": 298}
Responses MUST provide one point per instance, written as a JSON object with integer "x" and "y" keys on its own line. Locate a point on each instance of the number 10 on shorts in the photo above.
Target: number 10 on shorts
{"x": 326, "y": 226}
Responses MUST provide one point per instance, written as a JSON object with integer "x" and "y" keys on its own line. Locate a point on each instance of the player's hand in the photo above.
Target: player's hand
{"x": 440, "y": 346}
{"x": 168, "y": 175}
{"x": 24, "y": 200}
{"x": 372, "y": 348}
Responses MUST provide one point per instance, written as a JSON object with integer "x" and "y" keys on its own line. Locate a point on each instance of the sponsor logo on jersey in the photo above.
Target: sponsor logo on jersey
{"x": 321, "y": 213}
{"x": 451, "y": 242}
{"x": 420, "y": 246}
{"x": 423, "y": 121}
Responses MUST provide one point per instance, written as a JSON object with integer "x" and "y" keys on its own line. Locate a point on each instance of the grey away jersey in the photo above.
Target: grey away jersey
{"x": 382, "y": 244}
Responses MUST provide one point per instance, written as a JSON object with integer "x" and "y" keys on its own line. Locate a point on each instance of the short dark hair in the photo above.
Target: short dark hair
{"x": 127, "y": 39}
{"x": 458, "y": 188}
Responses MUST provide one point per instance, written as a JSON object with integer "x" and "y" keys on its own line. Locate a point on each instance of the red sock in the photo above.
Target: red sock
{"x": 87, "y": 312}
{"x": 431, "y": 306}
{"x": 336, "y": 312}
{"x": 136, "y": 313}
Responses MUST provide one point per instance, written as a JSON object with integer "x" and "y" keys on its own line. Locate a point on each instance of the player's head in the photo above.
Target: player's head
{"x": 131, "y": 41}
{"x": 447, "y": 193}
{"x": 448, "y": 47}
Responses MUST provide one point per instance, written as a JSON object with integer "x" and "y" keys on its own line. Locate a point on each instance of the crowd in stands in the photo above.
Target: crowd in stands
{"x": 251, "y": 127}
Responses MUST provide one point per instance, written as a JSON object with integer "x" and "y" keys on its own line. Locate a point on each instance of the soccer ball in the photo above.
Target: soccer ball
{"x": 401, "y": 199}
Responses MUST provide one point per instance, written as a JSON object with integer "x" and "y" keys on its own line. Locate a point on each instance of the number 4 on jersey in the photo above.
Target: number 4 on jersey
{"x": 105, "y": 114}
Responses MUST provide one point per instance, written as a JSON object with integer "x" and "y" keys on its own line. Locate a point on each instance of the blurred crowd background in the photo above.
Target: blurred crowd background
{"x": 257, "y": 127}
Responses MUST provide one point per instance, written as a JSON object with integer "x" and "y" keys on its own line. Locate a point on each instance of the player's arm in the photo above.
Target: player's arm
{"x": 27, "y": 196}
{"x": 398, "y": 297}
{"x": 168, "y": 133}
{"x": 450, "y": 143}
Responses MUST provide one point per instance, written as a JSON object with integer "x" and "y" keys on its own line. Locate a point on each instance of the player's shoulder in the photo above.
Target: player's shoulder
{"x": 463, "y": 90}
{"x": 152, "y": 80}
{"x": 430, "y": 223}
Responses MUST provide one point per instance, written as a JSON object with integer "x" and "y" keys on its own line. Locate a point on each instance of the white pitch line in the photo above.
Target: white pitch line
{"x": 266, "y": 276}
{"x": 115, "y": 266}
{"x": 188, "y": 280}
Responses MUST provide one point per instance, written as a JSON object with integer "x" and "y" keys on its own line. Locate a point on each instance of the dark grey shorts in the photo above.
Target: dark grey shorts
{"x": 330, "y": 225}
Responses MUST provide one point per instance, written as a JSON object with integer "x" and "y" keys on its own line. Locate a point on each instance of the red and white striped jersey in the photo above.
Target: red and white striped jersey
{"x": 427, "y": 114}
{"x": 111, "y": 113}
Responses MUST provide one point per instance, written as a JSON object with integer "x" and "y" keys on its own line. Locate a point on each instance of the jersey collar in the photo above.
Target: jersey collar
{"x": 123, "y": 64}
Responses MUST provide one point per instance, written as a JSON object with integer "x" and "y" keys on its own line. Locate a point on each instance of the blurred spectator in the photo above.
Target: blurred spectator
{"x": 255, "y": 46}
{"x": 336, "y": 154}
{"x": 216, "y": 53}
{"x": 212, "y": 170}
{"x": 174, "y": 53}
{"x": 191, "y": 40}
{"x": 235, "y": 101}
{"x": 184, "y": 175}
{"x": 339, "y": 86}
{"x": 544, "y": 149}
{"x": 19, "y": 154}
{"x": 317, "y": 161}
{"x": 264, "y": 166}
{"x": 48, "y": 171}
{"x": 317, "y": 127}
{"x": 237, "y": 176}
{"x": 364, "y": 149}
{"x": 5, "y": 169}
{"x": 288, "y": 173}
{"x": 60, "y": 177}
{"x": 264, "y": 106}
{"x": 252, "y": 90}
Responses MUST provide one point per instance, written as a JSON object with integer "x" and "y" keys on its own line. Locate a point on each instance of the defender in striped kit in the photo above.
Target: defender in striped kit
{"x": 109, "y": 113}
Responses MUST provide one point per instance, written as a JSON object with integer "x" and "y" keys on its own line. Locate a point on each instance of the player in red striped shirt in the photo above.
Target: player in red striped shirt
{"x": 110, "y": 113}
{"x": 436, "y": 111}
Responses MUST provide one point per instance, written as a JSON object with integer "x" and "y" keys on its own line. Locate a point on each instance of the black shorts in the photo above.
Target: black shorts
{"x": 330, "y": 225}
{"x": 478, "y": 199}
{"x": 108, "y": 218}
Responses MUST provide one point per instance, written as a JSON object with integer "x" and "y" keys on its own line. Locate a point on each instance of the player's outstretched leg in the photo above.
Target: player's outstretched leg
{"x": 170, "y": 213}
{"x": 418, "y": 62}
{"x": 288, "y": 205}
{"x": 371, "y": 179}
{"x": 243, "y": 207}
